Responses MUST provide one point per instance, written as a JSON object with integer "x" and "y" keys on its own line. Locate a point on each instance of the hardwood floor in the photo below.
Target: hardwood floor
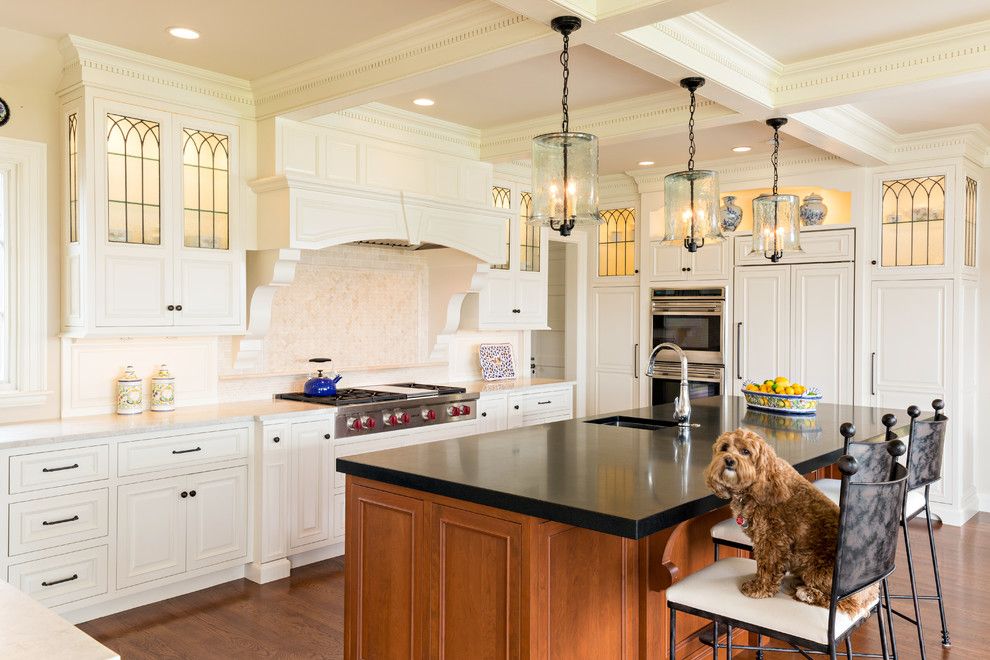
{"x": 303, "y": 616}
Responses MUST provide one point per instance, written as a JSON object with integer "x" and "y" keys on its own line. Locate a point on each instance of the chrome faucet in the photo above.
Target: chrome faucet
{"x": 682, "y": 404}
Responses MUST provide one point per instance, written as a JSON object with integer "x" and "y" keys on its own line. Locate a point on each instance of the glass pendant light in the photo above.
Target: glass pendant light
{"x": 690, "y": 198}
{"x": 776, "y": 227}
{"x": 565, "y": 164}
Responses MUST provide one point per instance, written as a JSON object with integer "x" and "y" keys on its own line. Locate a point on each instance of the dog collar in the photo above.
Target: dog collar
{"x": 742, "y": 522}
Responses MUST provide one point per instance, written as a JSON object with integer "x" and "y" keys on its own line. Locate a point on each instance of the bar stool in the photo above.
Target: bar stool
{"x": 926, "y": 443}
{"x": 869, "y": 514}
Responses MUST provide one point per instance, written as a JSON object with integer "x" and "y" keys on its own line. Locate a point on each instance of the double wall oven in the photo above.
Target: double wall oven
{"x": 694, "y": 319}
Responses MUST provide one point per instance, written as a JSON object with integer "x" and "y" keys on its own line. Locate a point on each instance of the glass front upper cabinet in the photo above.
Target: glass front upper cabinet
{"x": 133, "y": 180}
{"x": 529, "y": 236}
{"x": 913, "y": 222}
{"x": 617, "y": 243}
{"x": 502, "y": 199}
{"x": 205, "y": 189}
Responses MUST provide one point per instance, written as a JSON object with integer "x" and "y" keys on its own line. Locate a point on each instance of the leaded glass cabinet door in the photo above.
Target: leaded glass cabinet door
{"x": 917, "y": 220}
{"x": 207, "y": 267}
{"x": 134, "y": 246}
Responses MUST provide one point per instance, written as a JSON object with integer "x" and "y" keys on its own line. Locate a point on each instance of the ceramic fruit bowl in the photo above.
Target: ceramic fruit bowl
{"x": 791, "y": 404}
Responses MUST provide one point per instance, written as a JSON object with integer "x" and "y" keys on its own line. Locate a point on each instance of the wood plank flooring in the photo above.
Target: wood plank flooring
{"x": 303, "y": 615}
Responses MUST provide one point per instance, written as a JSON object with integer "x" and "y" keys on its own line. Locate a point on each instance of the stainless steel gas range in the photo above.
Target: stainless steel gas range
{"x": 383, "y": 408}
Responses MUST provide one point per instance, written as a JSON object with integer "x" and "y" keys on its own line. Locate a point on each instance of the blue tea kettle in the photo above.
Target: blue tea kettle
{"x": 320, "y": 385}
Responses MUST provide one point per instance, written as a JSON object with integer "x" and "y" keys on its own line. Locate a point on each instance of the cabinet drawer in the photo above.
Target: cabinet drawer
{"x": 54, "y": 521}
{"x": 537, "y": 405}
{"x": 62, "y": 579}
{"x": 175, "y": 451}
{"x": 816, "y": 246}
{"x": 58, "y": 468}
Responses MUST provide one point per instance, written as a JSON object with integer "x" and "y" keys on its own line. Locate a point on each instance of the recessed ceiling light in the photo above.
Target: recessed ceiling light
{"x": 425, "y": 102}
{"x": 183, "y": 33}
{"x": 646, "y": 163}
{"x": 742, "y": 150}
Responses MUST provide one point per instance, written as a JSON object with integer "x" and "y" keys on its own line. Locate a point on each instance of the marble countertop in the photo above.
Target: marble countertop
{"x": 512, "y": 385}
{"x": 69, "y": 429}
{"x": 29, "y": 630}
{"x": 629, "y": 482}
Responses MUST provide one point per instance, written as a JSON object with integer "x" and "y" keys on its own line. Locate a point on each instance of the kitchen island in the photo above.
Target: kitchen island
{"x": 552, "y": 541}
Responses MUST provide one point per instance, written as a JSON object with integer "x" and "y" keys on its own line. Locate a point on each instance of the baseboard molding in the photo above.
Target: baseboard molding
{"x": 984, "y": 501}
{"x": 957, "y": 516}
{"x": 119, "y": 603}
{"x": 319, "y": 554}
{"x": 269, "y": 571}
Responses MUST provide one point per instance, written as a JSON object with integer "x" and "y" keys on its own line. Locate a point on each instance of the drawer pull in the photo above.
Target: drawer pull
{"x": 543, "y": 403}
{"x": 75, "y": 576}
{"x": 515, "y": 407}
{"x": 484, "y": 414}
{"x": 59, "y": 522}
{"x": 186, "y": 451}
{"x": 276, "y": 439}
{"x": 59, "y": 469}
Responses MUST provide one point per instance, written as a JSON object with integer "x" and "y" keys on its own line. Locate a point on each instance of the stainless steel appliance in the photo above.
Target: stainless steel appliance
{"x": 383, "y": 408}
{"x": 693, "y": 319}
{"x": 702, "y": 379}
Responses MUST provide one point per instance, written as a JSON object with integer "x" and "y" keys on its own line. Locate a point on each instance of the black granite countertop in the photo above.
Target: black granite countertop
{"x": 623, "y": 481}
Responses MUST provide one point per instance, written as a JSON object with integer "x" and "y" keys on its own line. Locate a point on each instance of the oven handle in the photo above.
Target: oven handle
{"x": 691, "y": 379}
{"x": 636, "y": 361}
{"x": 739, "y": 327}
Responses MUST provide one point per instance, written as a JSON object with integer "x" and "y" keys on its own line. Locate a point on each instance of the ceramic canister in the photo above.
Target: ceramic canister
{"x": 163, "y": 390}
{"x": 129, "y": 393}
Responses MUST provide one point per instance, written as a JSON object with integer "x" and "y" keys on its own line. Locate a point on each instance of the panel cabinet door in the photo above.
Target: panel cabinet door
{"x": 710, "y": 262}
{"x": 822, "y": 329}
{"x": 134, "y": 287}
{"x": 668, "y": 262}
{"x": 909, "y": 353}
{"x": 531, "y": 300}
{"x": 273, "y": 537}
{"x": 498, "y": 299}
{"x": 207, "y": 288}
{"x": 761, "y": 316}
{"x": 309, "y": 483}
{"x": 492, "y": 414}
{"x": 216, "y": 517}
{"x": 615, "y": 319}
{"x": 151, "y": 530}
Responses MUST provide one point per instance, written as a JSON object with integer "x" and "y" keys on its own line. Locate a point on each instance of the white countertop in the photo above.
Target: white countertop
{"x": 70, "y": 429}
{"x": 29, "y": 630}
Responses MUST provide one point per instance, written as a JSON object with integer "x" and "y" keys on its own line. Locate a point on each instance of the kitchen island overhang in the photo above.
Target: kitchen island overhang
{"x": 553, "y": 541}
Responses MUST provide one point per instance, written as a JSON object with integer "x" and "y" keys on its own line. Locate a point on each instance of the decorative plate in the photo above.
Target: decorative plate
{"x": 496, "y": 361}
{"x": 4, "y": 112}
{"x": 788, "y": 404}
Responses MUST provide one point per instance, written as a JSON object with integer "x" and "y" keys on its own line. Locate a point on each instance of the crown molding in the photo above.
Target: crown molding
{"x": 644, "y": 116}
{"x": 971, "y": 142}
{"x": 617, "y": 189}
{"x": 91, "y": 63}
{"x": 847, "y": 132}
{"x": 474, "y": 29}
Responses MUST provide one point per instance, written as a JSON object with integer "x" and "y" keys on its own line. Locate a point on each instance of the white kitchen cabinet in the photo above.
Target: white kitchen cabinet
{"x": 674, "y": 263}
{"x": 151, "y": 530}
{"x": 216, "y": 520}
{"x": 795, "y": 321}
{"x": 272, "y": 534}
{"x": 615, "y": 358}
{"x": 540, "y": 406}
{"x": 310, "y": 474}
{"x": 818, "y": 245}
{"x": 154, "y": 243}
{"x": 492, "y": 413}
{"x": 170, "y": 526}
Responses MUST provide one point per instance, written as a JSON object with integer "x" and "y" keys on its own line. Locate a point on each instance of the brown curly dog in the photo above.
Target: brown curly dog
{"x": 792, "y": 524}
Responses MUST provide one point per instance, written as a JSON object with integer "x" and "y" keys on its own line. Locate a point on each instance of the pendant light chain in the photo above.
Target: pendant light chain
{"x": 773, "y": 158}
{"x": 691, "y": 148}
{"x": 564, "y": 61}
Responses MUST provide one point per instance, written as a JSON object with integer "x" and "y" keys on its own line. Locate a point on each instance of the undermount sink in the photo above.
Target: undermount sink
{"x": 633, "y": 422}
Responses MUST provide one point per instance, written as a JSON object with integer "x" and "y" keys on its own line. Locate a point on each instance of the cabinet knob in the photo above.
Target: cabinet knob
{"x": 688, "y": 269}
{"x": 276, "y": 439}
{"x": 192, "y": 493}
{"x": 171, "y": 308}
{"x": 183, "y": 494}
{"x": 484, "y": 414}
{"x": 516, "y": 406}
{"x": 326, "y": 436}
{"x": 178, "y": 308}
{"x": 873, "y": 263}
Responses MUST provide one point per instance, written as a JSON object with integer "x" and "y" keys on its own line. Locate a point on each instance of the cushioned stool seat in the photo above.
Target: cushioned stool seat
{"x": 915, "y": 498}
{"x": 715, "y": 590}
{"x": 729, "y": 531}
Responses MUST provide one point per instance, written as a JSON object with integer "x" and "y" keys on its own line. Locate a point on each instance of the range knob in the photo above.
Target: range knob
{"x": 429, "y": 414}
{"x": 391, "y": 420}
{"x": 465, "y": 410}
{"x": 404, "y": 418}
{"x": 354, "y": 423}
{"x": 454, "y": 411}
{"x": 368, "y": 422}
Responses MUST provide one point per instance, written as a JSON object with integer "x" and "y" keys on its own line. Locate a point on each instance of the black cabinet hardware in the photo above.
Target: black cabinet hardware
{"x": 873, "y": 373}
{"x": 484, "y": 414}
{"x": 75, "y": 576}
{"x": 192, "y": 493}
{"x": 184, "y": 494}
{"x": 873, "y": 263}
{"x": 178, "y": 308}
{"x": 59, "y": 469}
{"x": 739, "y": 327}
{"x": 516, "y": 406}
{"x": 186, "y": 451}
{"x": 59, "y": 522}
{"x": 543, "y": 403}
{"x": 326, "y": 436}
{"x": 276, "y": 439}
{"x": 171, "y": 308}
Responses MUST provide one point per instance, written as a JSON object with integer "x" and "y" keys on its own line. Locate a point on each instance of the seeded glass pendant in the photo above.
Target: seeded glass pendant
{"x": 690, "y": 198}
{"x": 565, "y": 164}
{"x": 776, "y": 223}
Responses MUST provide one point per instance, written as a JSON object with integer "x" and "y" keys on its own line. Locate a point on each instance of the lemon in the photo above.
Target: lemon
{"x": 779, "y": 388}
{"x": 780, "y": 380}
{"x": 768, "y": 383}
{"x": 789, "y": 390}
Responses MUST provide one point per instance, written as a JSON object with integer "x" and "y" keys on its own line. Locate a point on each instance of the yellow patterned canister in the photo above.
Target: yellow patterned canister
{"x": 129, "y": 393}
{"x": 163, "y": 390}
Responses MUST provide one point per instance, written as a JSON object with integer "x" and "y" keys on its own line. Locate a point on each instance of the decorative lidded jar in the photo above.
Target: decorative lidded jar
{"x": 730, "y": 213}
{"x": 130, "y": 395}
{"x": 813, "y": 210}
{"x": 163, "y": 390}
